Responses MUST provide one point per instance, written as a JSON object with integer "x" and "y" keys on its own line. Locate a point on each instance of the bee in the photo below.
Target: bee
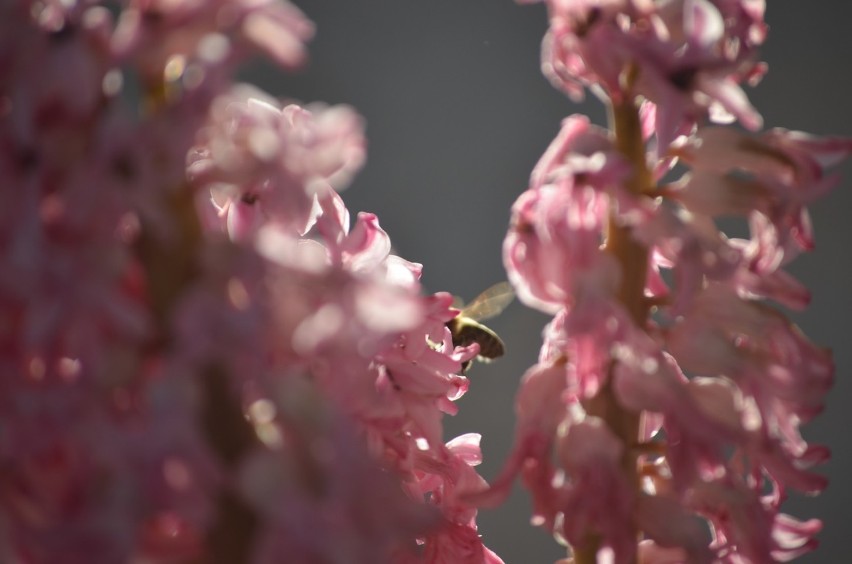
{"x": 466, "y": 329}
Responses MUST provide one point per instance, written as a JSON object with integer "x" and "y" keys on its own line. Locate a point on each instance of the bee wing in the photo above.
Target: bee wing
{"x": 490, "y": 302}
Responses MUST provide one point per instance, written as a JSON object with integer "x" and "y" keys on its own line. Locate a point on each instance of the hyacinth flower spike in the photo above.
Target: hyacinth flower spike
{"x": 661, "y": 421}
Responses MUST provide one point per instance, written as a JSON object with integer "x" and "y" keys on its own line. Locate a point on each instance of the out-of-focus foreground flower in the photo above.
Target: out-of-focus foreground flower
{"x": 201, "y": 359}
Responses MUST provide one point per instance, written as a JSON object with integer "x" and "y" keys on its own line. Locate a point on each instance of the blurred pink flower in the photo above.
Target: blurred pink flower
{"x": 264, "y": 165}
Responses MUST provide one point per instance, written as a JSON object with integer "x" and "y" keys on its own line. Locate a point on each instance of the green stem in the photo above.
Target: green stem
{"x": 171, "y": 267}
{"x": 632, "y": 257}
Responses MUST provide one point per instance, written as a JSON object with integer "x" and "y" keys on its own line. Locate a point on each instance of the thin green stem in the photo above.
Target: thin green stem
{"x": 633, "y": 259}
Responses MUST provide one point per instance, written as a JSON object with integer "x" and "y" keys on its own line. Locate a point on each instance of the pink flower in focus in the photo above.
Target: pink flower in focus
{"x": 785, "y": 374}
{"x": 552, "y": 251}
{"x": 746, "y": 527}
{"x": 446, "y": 483}
{"x": 540, "y": 406}
{"x": 769, "y": 178}
{"x": 688, "y": 56}
{"x": 596, "y": 500}
{"x": 702, "y": 386}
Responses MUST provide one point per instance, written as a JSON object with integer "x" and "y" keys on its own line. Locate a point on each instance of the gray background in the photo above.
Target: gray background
{"x": 458, "y": 113}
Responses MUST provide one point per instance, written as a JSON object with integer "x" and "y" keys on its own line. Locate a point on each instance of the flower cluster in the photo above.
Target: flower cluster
{"x": 669, "y": 392}
{"x": 688, "y": 58}
{"x": 202, "y": 361}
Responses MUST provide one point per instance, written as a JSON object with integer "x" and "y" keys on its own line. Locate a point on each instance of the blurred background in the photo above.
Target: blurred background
{"x": 458, "y": 114}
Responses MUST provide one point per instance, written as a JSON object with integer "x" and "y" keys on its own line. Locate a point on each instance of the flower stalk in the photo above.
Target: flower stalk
{"x": 632, "y": 255}
{"x": 207, "y": 361}
{"x": 595, "y": 244}
{"x": 632, "y": 258}
{"x": 172, "y": 264}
